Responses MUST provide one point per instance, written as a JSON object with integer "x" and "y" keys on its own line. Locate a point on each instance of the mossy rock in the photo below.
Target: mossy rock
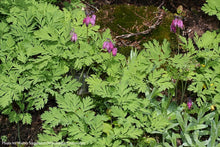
{"x": 125, "y": 19}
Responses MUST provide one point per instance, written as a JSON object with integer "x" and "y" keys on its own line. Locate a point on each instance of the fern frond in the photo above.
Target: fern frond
{"x": 160, "y": 79}
{"x": 156, "y": 53}
{"x": 118, "y": 112}
{"x": 127, "y": 131}
{"x": 67, "y": 85}
{"x": 212, "y": 7}
{"x": 54, "y": 117}
{"x": 99, "y": 87}
{"x": 156, "y": 123}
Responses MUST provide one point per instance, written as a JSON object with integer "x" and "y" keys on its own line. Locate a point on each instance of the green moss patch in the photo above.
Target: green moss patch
{"x": 125, "y": 19}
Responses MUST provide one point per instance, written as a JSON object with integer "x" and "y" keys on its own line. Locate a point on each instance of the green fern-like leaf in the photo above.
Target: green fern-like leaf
{"x": 209, "y": 40}
{"x": 127, "y": 131}
{"x": 157, "y": 123}
{"x": 27, "y": 118}
{"x": 10, "y": 89}
{"x": 156, "y": 53}
{"x": 47, "y": 33}
{"x": 160, "y": 79}
{"x": 99, "y": 87}
{"x": 67, "y": 84}
{"x": 212, "y": 7}
{"x": 118, "y": 112}
{"x": 50, "y": 137}
{"x": 53, "y": 117}
{"x": 69, "y": 103}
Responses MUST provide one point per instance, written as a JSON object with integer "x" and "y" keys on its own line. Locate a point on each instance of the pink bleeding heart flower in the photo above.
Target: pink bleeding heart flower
{"x": 172, "y": 28}
{"x": 180, "y": 23}
{"x": 114, "y": 51}
{"x": 74, "y": 37}
{"x": 86, "y": 20}
{"x": 92, "y": 20}
{"x": 105, "y": 44}
{"x": 189, "y": 103}
{"x": 177, "y": 22}
{"x": 110, "y": 47}
{"x": 89, "y": 20}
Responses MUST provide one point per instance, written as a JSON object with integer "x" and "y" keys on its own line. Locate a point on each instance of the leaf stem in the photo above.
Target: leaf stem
{"x": 176, "y": 87}
{"x": 81, "y": 75}
{"x": 183, "y": 90}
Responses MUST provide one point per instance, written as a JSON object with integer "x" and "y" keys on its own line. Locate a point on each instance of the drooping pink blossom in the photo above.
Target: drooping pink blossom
{"x": 92, "y": 20}
{"x": 189, "y": 103}
{"x": 110, "y": 47}
{"x": 88, "y": 20}
{"x": 180, "y": 23}
{"x": 177, "y": 22}
{"x": 105, "y": 44}
{"x": 172, "y": 27}
{"x": 114, "y": 51}
{"x": 74, "y": 37}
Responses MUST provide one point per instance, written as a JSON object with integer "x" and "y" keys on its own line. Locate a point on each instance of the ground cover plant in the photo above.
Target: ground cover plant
{"x": 158, "y": 96}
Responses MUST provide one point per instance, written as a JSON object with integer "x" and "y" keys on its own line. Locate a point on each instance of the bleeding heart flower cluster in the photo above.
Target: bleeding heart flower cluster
{"x": 88, "y": 20}
{"x": 177, "y": 22}
{"x": 110, "y": 47}
{"x": 106, "y": 45}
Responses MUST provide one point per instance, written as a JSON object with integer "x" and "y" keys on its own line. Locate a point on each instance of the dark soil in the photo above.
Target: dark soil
{"x": 194, "y": 21}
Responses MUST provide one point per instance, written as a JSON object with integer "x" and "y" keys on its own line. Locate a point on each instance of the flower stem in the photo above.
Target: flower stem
{"x": 87, "y": 34}
{"x": 178, "y": 33}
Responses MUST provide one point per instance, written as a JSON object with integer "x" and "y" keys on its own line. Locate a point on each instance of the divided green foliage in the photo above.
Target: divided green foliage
{"x": 127, "y": 116}
{"x": 155, "y": 123}
{"x": 156, "y": 67}
{"x": 80, "y": 124}
{"x": 160, "y": 79}
{"x": 119, "y": 94}
{"x": 206, "y": 78}
{"x": 156, "y": 53}
{"x": 38, "y": 60}
{"x": 182, "y": 67}
{"x": 121, "y": 99}
{"x": 39, "y": 63}
{"x": 212, "y": 7}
